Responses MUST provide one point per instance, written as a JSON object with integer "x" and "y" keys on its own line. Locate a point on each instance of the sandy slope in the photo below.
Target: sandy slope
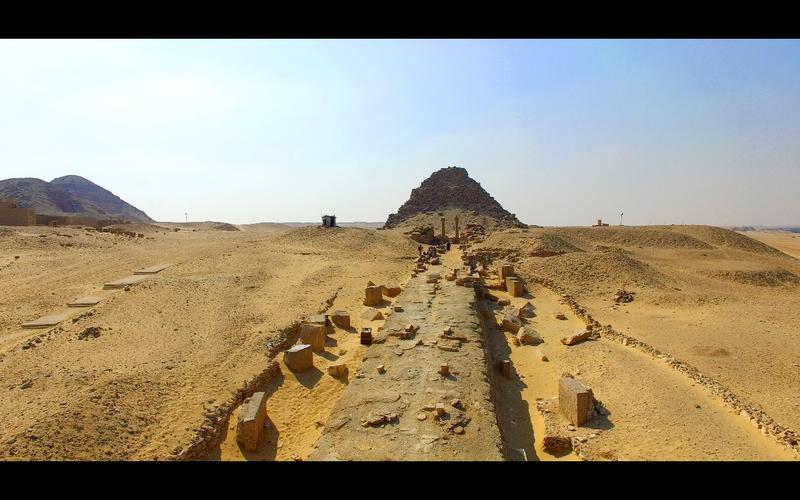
{"x": 784, "y": 241}
{"x": 723, "y": 302}
{"x": 172, "y": 345}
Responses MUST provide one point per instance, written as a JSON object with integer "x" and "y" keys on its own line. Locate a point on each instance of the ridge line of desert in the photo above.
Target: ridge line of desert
{"x": 451, "y": 331}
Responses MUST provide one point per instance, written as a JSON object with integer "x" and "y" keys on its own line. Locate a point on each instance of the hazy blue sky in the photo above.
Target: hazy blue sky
{"x": 560, "y": 132}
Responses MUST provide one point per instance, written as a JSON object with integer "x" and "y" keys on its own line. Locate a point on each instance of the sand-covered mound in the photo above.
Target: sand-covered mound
{"x": 580, "y": 270}
{"x": 658, "y": 237}
{"x": 524, "y": 243}
{"x": 264, "y": 227}
{"x": 199, "y": 226}
{"x": 729, "y": 239}
{"x": 767, "y": 278}
{"x": 341, "y": 239}
{"x": 138, "y": 227}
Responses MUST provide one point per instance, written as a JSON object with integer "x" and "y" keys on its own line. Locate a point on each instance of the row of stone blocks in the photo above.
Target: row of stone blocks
{"x": 373, "y": 294}
{"x": 300, "y": 358}
{"x": 513, "y": 284}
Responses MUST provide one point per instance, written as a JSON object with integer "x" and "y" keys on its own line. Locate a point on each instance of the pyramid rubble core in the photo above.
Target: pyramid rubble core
{"x": 452, "y": 188}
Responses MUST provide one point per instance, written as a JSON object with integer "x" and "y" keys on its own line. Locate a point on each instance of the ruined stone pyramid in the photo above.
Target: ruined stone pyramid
{"x": 452, "y": 188}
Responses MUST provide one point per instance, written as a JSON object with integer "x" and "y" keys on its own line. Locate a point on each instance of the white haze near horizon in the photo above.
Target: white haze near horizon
{"x": 560, "y": 132}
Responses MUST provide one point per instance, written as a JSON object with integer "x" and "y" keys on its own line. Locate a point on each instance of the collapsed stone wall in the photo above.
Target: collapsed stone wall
{"x": 782, "y": 434}
{"x": 217, "y": 418}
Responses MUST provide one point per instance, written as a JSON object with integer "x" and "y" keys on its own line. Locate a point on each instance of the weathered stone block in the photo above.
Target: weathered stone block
{"x": 313, "y": 334}
{"x": 319, "y": 319}
{"x": 576, "y": 337}
{"x": 371, "y": 314}
{"x": 506, "y": 270}
{"x": 527, "y": 311}
{"x": 511, "y": 323}
{"x": 529, "y": 336}
{"x": 373, "y": 296}
{"x": 299, "y": 358}
{"x": 341, "y": 319}
{"x": 515, "y": 286}
{"x": 251, "y": 421}
{"x": 392, "y": 290}
{"x": 574, "y": 400}
{"x": 337, "y": 371}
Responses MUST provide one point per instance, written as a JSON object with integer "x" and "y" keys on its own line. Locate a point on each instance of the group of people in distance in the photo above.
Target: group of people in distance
{"x": 431, "y": 250}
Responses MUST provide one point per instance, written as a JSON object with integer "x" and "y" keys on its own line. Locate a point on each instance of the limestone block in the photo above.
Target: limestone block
{"x": 46, "y": 321}
{"x": 574, "y": 400}
{"x": 341, "y": 319}
{"x": 319, "y": 319}
{"x": 299, "y": 358}
{"x": 313, "y": 334}
{"x": 251, "y": 421}
{"x": 371, "y": 314}
{"x": 515, "y": 286}
{"x": 392, "y": 290}
{"x": 373, "y": 296}
{"x": 337, "y": 371}
{"x": 511, "y": 323}
{"x": 506, "y": 270}
{"x": 85, "y": 302}
{"x": 576, "y": 337}
{"x": 527, "y": 311}
{"x": 529, "y": 336}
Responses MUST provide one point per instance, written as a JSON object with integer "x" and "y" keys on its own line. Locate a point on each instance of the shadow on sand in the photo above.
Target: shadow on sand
{"x": 513, "y": 412}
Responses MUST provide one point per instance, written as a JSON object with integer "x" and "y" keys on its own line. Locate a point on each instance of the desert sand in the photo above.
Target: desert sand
{"x": 158, "y": 371}
{"x": 171, "y": 347}
{"x": 719, "y": 301}
{"x": 785, "y": 241}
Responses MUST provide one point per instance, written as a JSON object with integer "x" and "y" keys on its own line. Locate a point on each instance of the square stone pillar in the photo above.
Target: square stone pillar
{"x": 574, "y": 400}
{"x": 251, "y": 421}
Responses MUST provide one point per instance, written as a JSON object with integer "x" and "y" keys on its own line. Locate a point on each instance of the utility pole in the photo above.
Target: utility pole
{"x": 620, "y": 218}
{"x": 187, "y": 216}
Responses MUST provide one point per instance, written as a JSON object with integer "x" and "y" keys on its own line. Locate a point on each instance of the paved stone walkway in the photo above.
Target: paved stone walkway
{"x": 392, "y": 415}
